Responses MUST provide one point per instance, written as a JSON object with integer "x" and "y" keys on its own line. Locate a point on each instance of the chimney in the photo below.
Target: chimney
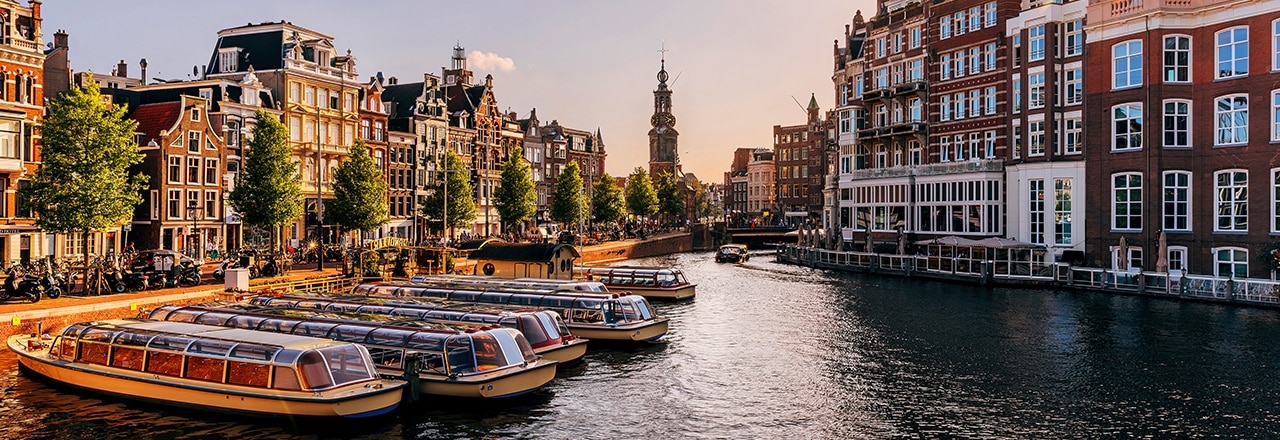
{"x": 60, "y": 39}
{"x": 122, "y": 69}
{"x": 143, "y": 64}
{"x": 392, "y": 81}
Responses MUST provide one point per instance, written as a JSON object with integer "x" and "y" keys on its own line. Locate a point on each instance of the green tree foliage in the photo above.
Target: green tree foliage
{"x": 516, "y": 196}
{"x": 360, "y": 192}
{"x": 84, "y": 183}
{"x": 566, "y": 202}
{"x": 642, "y": 200}
{"x": 268, "y": 189}
{"x": 462, "y": 202}
{"x": 607, "y": 204}
{"x": 670, "y": 196}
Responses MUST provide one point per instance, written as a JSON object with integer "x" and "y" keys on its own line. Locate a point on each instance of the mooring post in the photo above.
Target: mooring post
{"x": 412, "y": 363}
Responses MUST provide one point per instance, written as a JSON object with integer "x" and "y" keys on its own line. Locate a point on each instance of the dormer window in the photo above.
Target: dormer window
{"x": 195, "y": 114}
{"x": 322, "y": 57}
{"x": 228, "y": 59}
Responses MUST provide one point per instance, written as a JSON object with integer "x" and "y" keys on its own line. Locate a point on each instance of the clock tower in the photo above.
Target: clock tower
{"x": 663, "y": 153}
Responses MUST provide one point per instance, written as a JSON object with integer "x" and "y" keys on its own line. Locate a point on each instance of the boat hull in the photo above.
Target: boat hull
{"x": 496, "y": 385}
{"x": 564, "y": 353}
{"x": 667, "y": 293}
{"x": 642, "y": 332}
{"x": 356, "y": 401}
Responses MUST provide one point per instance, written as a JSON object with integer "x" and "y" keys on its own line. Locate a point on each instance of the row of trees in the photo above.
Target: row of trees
{"x": 87, "y": 181}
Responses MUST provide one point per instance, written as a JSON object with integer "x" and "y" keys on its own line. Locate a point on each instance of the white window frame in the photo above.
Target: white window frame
{"x": 1275, "y": 45}
{"x": 1174, "y": 70}
{"x": 173, "y": 196}
{"x": 1035, "y": 210}
{"x": 991, "y": 53}
{"x": 944, "y": 66}
{"x": 1177, "y": 259}
{"x": 1175, "y": 123}
{"x": 1073, "y": 85}
{"x": 1063, "y": 227}
{"x": 1130, "y": 74}
{"x": 1237, "y": 50}
{"x": 1176, "y": 194}
{"x": 1275, "y": 200}
{"x": 1035, "y": 43}
{"x": 944, "y": 27}
{"x": 1133, "y": 222}
{"x": 1231, "y": 125}
{"x": 961, "y": 22}
{"x": 990, "y": 144}
{"x": 1231, "y": 201}
{"x": 1275, "y": 115}
{"x": 990, "y": 107}
{"x": 1238, "y": 257}
{"x": 175, "y": 161}
{"x": 1073, "y": 135}
{"x": 1073, "y": 37}
{"x": 944, "y": 108}
{"x": 1035, "y": 138}
{"x": 1035, "y": 90}
{"x": 1130, "y": 136}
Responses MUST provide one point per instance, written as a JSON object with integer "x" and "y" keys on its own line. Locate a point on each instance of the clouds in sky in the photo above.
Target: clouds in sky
{"x": 489, "y": 62}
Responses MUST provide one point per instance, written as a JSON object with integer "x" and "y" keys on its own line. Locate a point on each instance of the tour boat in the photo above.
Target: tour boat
{"x": 514, "y": 283}
{"x": 649, "y": 282}
{"x": 732, "y": 253}
{"x": 490, "y": 363}
{"x": 212, "y": 368}
{"x": 544, "y": 329}
{"x": 601, "y": 317}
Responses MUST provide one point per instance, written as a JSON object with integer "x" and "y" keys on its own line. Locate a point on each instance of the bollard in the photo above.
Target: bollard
{"x": 412, "y": 364}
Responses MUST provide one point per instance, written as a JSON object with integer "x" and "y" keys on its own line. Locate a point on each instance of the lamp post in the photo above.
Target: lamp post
{"x": 192, "y": 209}
{"x": 319, "y": 194}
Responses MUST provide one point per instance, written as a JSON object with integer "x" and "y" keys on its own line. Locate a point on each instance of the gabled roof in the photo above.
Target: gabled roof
{"x": 152, "y": 118}
{"x": 402, "y": 98}
{"x": 532, "y": 252}
{"x": 263, "y": 51}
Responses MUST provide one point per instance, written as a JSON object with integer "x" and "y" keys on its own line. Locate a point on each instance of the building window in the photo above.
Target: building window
{"x": 210, "y": 204}
{"x": 1126, "y": 59}
{"x": 175, "y": 204}
{"x": 959, "y": 147}
{"x": 960, "y": 105}
{"x": 1017, "y": 94}
{"x": 990, "y": 96}
{"x": 1036, "y": 210}
{"x": 1072, "y": 135}
{"x": 916, "y": 109}
{"x": 914, "y": 147}
{"x": 1035, "y": 93}
{"x": 1232, "y": 262}
{"x": 944, "y": 27}
{"x": 991, "y": 144}
{"x": 1275, "y": 45}
{"x": 193, "y": 170}
{"x": 975, "y": 18}
{"x": 915, "y": 37}
{"x": 1035, "y": 138}
{"x": 193, "y": 142}
{"x": 944, "y": 149}
{"x": 882, "y": 78}
{"x": 857, "y": 86}
{"x": 991, "y": 57}
{"x": 210, "y": 171}
{"x": 1231, "y": 194}
{"x": 944, "y": 108}
{"x": 975, "y": 103}
{"x": 295, "y": 129}
{"x": 962, "y": 23}
{"x": 175, "y": 169}
{"x": 1126, "y": 202}
{"x": 975, "y": 60}
{"x": 1126, "y": 127}
{"x": 1073, "y": 87}
{"x": 195, "y": 114}
{"x": 1016, "y": 143}
{"x": 1233, "y": 52}
{"x": 227, "y": 59}
{"x": 990, "y": 9}
{"x": 1177, "y": 201}
{"x": 294, "y": 89}
{"x": 1275, "y": 115}
{"x": 1177, "y": 58}
{"x": 1035, "y": 43}
{"x": 1074, "y": 39}
{"x": 917, "y": 70}
{"x": 1231, "y": 120}
{"x": 1275, "y": 200}
{"x": 1177, "y": 123}
{"x": 961, "y": 63}
{"x": 944, "y": 64}
{"x": 1177, "y": 259}
{"x": 1062, "y": 212}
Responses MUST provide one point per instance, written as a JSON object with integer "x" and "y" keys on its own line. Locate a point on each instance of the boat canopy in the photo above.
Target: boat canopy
{"x": 216, "y": 354}
{"x": 576, "y": 307}
{"x": 539, "y": 327}
{"x": 517, "y": 283}
{"x": 441, "y": 351}
{"x": 635, "y": 276}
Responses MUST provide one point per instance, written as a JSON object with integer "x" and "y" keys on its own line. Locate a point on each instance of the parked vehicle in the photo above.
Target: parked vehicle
{"x": 27, "y": 288}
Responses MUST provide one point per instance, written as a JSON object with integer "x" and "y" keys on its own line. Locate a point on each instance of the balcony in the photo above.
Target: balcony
{"x": 1101, "y": 11}
{"x": 11, "y": 165}
{"x": 933, "y": 169}
{"x": 899, "y": 129}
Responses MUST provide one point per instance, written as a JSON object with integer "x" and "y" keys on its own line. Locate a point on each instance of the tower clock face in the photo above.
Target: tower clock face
{"x": 663, "y": 119}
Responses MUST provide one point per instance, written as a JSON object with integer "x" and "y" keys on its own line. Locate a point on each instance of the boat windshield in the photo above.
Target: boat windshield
{"x": 553, "y": 322}
{"x": 346, "y": 363}
{"x": 632, "y": 308}
{"x": 666, "y": 278}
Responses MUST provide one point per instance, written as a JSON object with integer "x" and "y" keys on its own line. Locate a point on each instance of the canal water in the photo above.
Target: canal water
{"x": 776, "y": 351}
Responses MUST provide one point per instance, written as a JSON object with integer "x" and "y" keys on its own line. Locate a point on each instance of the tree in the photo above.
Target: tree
{"x": 641, "y": 198}
{"x": 606, "y": 201}
{"x": 360, "y": 192}
{"x": 462, "y": 202}
{"x": 84, "y": 183}
{"x": 268, "y": 189}
{"x": 670, "y": 197}
{"x": 566, "y": 202}
{"x": 516, "y": 196}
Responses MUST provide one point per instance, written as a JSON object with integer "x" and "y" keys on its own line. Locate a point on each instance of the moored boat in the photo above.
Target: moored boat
{"x": 491, "y": 363}
{"x": 212, "y": 368}
{"x": 732, "y": 253}
{"x": 649, "y": 282}
{"x": 601, "y": 317}
{"x": 544, "y": 329}
{"x": 514, "y": 283}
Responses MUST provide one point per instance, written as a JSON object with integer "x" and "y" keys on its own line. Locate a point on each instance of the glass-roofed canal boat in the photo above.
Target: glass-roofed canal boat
{"x": 649, "y": 282}
{"x": 494, "y": 362}
{"x": 212, "y": 368}
{"x": 596, "y": 316}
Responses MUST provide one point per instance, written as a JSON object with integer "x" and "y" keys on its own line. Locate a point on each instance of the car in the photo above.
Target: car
{"x": 732, "y": 253}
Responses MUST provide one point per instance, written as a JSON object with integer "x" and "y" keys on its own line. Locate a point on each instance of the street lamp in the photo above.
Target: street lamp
{"x": 192, "y": 209}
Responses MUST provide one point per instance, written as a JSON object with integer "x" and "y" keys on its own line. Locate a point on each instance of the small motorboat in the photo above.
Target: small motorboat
{"x": 212, "y": 368}
{"x": 732, "y": 253}
{"x": 650, "y": 282}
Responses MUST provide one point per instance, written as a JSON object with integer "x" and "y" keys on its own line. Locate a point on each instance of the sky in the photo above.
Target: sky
{"x": 737, "y": 67}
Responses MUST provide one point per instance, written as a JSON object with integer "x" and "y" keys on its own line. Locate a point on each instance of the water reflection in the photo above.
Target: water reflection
{"x": 781, "y": 351}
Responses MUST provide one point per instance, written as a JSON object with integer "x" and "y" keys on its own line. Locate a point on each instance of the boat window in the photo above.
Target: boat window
{"x": 252, "y": 374}
{"x": 387, "y": 357}
{"x": 425, "y": 342}
{"x": 666, "y": 279}
{"x": 176, "y": 315}
{"x": 350, "y": 333}
{"x": 388, "y": 336}
{"x": 286, "y": 379}
{"x": 316, "y": 329}
{"x": 636, "y": 308}
{"x": 339, "y": 307}
{"x": 169, "y": 342}
{"x": 463, "y": 295}
{"x": 409, "y": 312}
{"x": 164, "y": 362}
{"x": 74, "y": 330}
{"x": 210, "y": 347}
{"x": 462, "y": 357}
{"x": 64, "y": 348}
{"x": 288, "y": 356}
{"x": 374, "y": 309}
{"x": 532, "y": 329}
{"x": 315, "y": 374}
{"x": 525, "y": 300}
{"x": 494, "y": 298}
{"x": 261, "y": 353}
{"x": 680, "y": 279}
{"x": 587, "y": 303}
{"x": 161, "y": 311}
{"x": 489, "y": 351}
{"x": 347, "y": 363}
{"x": 277, "y": 325}
{"x": 551, "y": 324}
{"x": 309, "y": 304}
{"x": 133, "y": 339}
{"x": 242, "y": 321}
{"x": 205, "y": 368}
{"x": 214, "y": 318}
{"x": 557, "y": 301}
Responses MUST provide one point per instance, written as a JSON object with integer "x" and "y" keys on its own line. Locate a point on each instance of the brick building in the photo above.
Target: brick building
{"x": 800, "y": 159}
